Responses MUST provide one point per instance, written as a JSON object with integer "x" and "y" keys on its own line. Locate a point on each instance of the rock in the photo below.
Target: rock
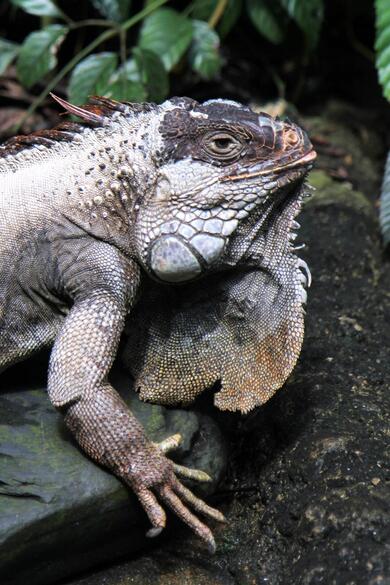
{"x": 59, "y": 512}
{"x": 330, "y": 192}
{"x": 156, "y": 569}
{"x": 348, "y": 145}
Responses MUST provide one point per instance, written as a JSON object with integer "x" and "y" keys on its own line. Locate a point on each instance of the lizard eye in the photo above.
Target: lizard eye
{"x": 222, "y": 145}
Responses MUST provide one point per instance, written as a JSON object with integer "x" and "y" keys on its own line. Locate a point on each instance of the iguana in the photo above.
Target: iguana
{"x": 180, "y": 218}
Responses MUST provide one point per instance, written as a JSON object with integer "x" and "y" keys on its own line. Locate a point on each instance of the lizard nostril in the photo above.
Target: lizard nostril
{"x": 291, "y": 138}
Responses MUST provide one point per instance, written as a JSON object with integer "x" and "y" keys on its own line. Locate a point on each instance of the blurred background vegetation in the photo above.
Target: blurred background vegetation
{"x": 302, "y": 50}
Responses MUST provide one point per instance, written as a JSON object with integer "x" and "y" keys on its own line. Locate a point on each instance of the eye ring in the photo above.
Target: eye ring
{"x": 222, "y": 145}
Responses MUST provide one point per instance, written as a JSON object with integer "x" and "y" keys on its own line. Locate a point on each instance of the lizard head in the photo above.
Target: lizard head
{"x": 226, "y": 175}
{"x": 222, "y": 203}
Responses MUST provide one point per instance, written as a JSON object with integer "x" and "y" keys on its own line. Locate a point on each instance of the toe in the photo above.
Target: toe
{"x": 177, "y": 506}
{"x": 153, "y": 509}
{"x": 197, "y": 504}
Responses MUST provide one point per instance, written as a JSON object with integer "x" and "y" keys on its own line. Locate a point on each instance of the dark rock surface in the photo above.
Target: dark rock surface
{"x": 59, "y": 512}
{"x": 307, "y": 493}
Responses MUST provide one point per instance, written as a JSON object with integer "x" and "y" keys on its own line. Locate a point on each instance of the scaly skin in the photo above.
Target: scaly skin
{"x": 189, "y": 208}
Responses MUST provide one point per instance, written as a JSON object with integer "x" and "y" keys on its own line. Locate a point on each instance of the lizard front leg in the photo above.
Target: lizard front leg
{"x": 100, "y": 420}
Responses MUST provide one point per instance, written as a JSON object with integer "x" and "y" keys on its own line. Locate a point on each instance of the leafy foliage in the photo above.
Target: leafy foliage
{"x": 152, "y": 74}
{"x": 308, "y": 16}
{"x": 117, "y": 10}
{"x": 382, "y": 44}
{"x": 204, "y": 10}
{"x": 38, "y": 7}
{"x": 265, "y": 18}
{"x": 91, "y": 76}
{"x": 204, "y": 54}
{"x": 37, "y": 55}
{"x": 8, "y": 52}
{"x": 168, "y": 34}
{"x": 167, "y": 41}
{"x": 126, "y": 83}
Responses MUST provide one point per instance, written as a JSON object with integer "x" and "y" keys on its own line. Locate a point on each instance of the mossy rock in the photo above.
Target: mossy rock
{"x": 59, "y": 512}
{"x": 331, "y": 192}
{"x": 360, "y": 150}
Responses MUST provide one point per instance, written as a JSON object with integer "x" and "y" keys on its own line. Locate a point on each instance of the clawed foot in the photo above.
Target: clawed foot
{"x": 176, "y": 496}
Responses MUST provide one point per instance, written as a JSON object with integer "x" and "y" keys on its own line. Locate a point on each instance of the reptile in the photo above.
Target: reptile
{"x": 174, "y": 222}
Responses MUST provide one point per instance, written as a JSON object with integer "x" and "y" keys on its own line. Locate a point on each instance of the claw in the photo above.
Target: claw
{"x": 303, "y": 265}
{"x": 153, "y": 532}
{"x": 188, "y": 473}
{"x": 177, "y": 506}
{"x": 211, "y": 545}
{"x": 170, "y": 443}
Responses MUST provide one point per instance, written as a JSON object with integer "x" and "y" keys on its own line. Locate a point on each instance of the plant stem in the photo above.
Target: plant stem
{"x": 64, "y": 16}
{"x": 94, "y": 22}
{"x": 188, "y": 9}
{"x": 123, "y": 55}
{"x": 217, "y": 14}
{"x": 140, "y": 15}
{"x": 103, "y": 37}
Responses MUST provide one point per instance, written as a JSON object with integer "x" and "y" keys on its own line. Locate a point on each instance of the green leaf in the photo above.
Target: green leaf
{"x": 230, "y": 17}
{"x": 8, "y": 52}
{"x": 382, "y": 45}
{"x": 38, "y": 54}
{"x": 91, "y": 77}
{"x": 146, "y": 72}
{"x": 204, "y": 52}
{"x": 203, "y": 9}
{"x": 265, "y": 19}
{"x": 117, "y": 10}
{"x": 383, "y": 59}
{"x": 308, "y": 14}
{"x": 125, "y": 83}
{"x": 168, "y": 34}
{"x": 124, "y": 90}
{"x": 382, "y": 41}
{"x": 152, "y": 74}
{"x": 38, "y": 7}
{"x": 129, "y": 70}
{"x": 382, "y": 14}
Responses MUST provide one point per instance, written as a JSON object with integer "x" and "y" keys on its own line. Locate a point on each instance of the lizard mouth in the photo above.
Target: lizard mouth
{"x": 304, "y": 162}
